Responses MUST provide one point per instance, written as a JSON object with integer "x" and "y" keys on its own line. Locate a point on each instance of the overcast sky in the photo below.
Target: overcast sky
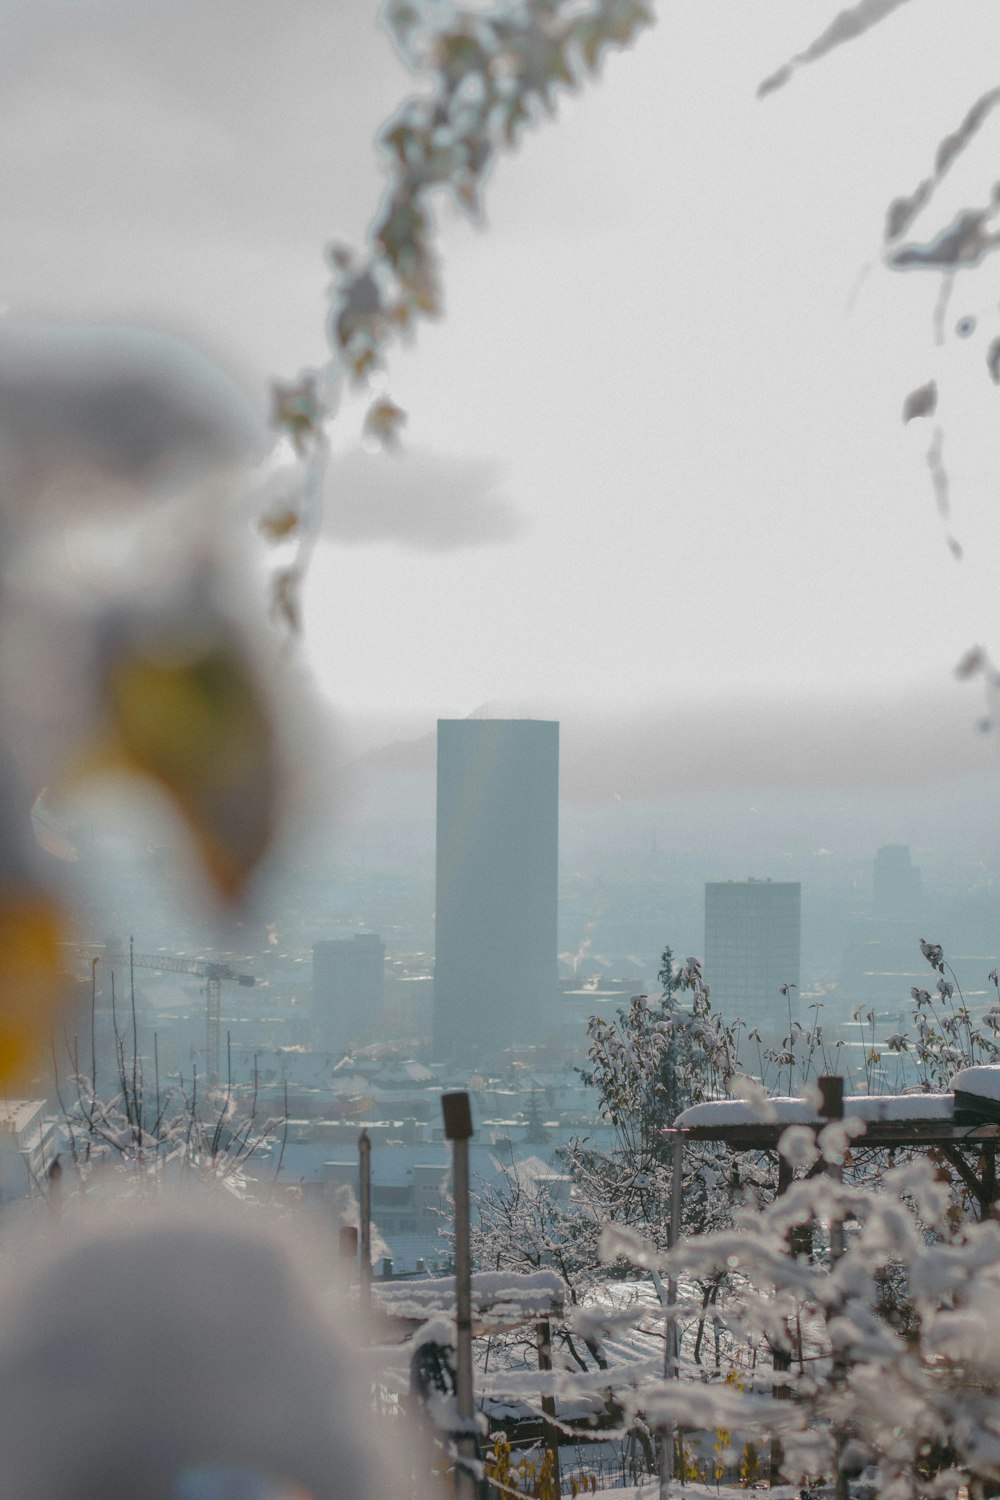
{"x": 654, "y": 451}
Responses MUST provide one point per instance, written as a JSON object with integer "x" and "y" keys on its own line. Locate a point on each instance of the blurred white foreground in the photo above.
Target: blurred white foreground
{"x": 193, "y": 1356}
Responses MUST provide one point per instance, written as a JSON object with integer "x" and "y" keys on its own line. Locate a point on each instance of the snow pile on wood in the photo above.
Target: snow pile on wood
{"x": 983, "y": 1081}
{"x": 874, "y": 1107}
{"x": 501, "y": 1298}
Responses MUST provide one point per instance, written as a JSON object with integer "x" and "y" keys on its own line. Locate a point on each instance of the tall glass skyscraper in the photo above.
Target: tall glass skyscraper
{"x": 495, "y": 978}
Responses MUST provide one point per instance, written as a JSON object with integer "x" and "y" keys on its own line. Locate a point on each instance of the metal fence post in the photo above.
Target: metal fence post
{"x": 831, "y": 1088}
{"x": 365, "y": 1208}
{"x": 671, "y": 1352}
{"x": 458, "y": 1129}
{"x": 550, "y": 1432}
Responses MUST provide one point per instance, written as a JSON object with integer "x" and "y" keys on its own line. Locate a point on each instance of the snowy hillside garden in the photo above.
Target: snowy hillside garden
{"x": 823, "y": 1316}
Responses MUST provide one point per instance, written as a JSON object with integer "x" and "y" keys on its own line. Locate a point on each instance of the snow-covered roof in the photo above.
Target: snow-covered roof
{"x": 404, "y": 1073}
{"x": 19, "y": 1115}
{"x": 529, "y": 1171}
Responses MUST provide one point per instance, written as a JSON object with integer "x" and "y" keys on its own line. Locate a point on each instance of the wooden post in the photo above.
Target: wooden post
{"x": 550, "y": 1432}
{"x": 781, "y": 1359}
{"x": 365, "y": 1208}
{"x": 54, "y": 1180}
{"x": 831, "y": 1091}
{"x": 831, "y": 1088}
{"x": 458, "y": 1129}
{"x": 989, "y": 1179}
{"x": 671, "y": 1351}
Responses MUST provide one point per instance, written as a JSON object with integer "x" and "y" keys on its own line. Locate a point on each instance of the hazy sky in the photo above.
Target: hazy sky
{"x": 654, "y": 449}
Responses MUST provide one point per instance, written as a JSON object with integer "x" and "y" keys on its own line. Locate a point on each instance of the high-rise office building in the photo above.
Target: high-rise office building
{"x": 495, "y": 977}
{"x": 897, "y": 886}
{"x": 348, "y": 990}
{"x": 752, "y": 948}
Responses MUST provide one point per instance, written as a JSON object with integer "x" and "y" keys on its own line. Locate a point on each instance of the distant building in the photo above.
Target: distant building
{"x": 495, "y": 979}
{"x": 897, "y": 887}
{"x": 28, "y": 1147}
{"x": 348, "y": 990}
{"x": 752, "y": 947}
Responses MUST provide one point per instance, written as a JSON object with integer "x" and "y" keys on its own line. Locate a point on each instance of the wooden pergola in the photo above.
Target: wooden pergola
{"x": 963, "y": 1125}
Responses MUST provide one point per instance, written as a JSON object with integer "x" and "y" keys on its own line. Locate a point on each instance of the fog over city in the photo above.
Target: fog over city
{"x": 653, "y": 483}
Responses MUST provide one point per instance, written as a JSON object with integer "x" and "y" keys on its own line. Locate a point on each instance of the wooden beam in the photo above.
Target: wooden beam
{"x": 879, "y": 1134}
{"x": 967, "y": 1175}
{"x": 550, "y": 1432}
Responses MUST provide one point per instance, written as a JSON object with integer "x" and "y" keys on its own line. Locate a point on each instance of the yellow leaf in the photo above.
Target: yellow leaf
{"x": 197, "y": 724}
{"x": 280, "y": 525}
{"x": 32, "y": 982}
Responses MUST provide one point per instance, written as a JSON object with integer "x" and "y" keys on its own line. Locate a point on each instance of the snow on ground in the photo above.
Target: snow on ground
{"x": 688, "y": 1490}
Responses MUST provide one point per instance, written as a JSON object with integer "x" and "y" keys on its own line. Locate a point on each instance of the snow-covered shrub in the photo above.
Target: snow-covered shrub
{"x": 893, "y": 1345}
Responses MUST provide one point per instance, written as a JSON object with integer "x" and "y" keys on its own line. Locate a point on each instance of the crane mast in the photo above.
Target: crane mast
{"x": 213, "y": 975}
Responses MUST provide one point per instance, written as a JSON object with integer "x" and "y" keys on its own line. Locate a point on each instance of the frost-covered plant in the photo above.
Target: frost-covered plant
{"x": 893, "y": 1344}
{"x": 657, "y": 1058}
{"x": 145, "y": 1142}
{"x": 521, "y": 1226}
{"x": 947, "y": 1035}
{"x": 143, "y": 1133}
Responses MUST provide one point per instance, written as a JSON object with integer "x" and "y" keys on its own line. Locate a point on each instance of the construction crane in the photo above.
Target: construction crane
{"x": 213, "y": 975}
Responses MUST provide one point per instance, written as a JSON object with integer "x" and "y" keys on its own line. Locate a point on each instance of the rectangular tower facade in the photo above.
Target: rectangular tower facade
{"x": 897, "y": 886}
{"x": 348, "y": 991}
{"x": 752, "y": 947}
{"x": 495, "y": 976}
